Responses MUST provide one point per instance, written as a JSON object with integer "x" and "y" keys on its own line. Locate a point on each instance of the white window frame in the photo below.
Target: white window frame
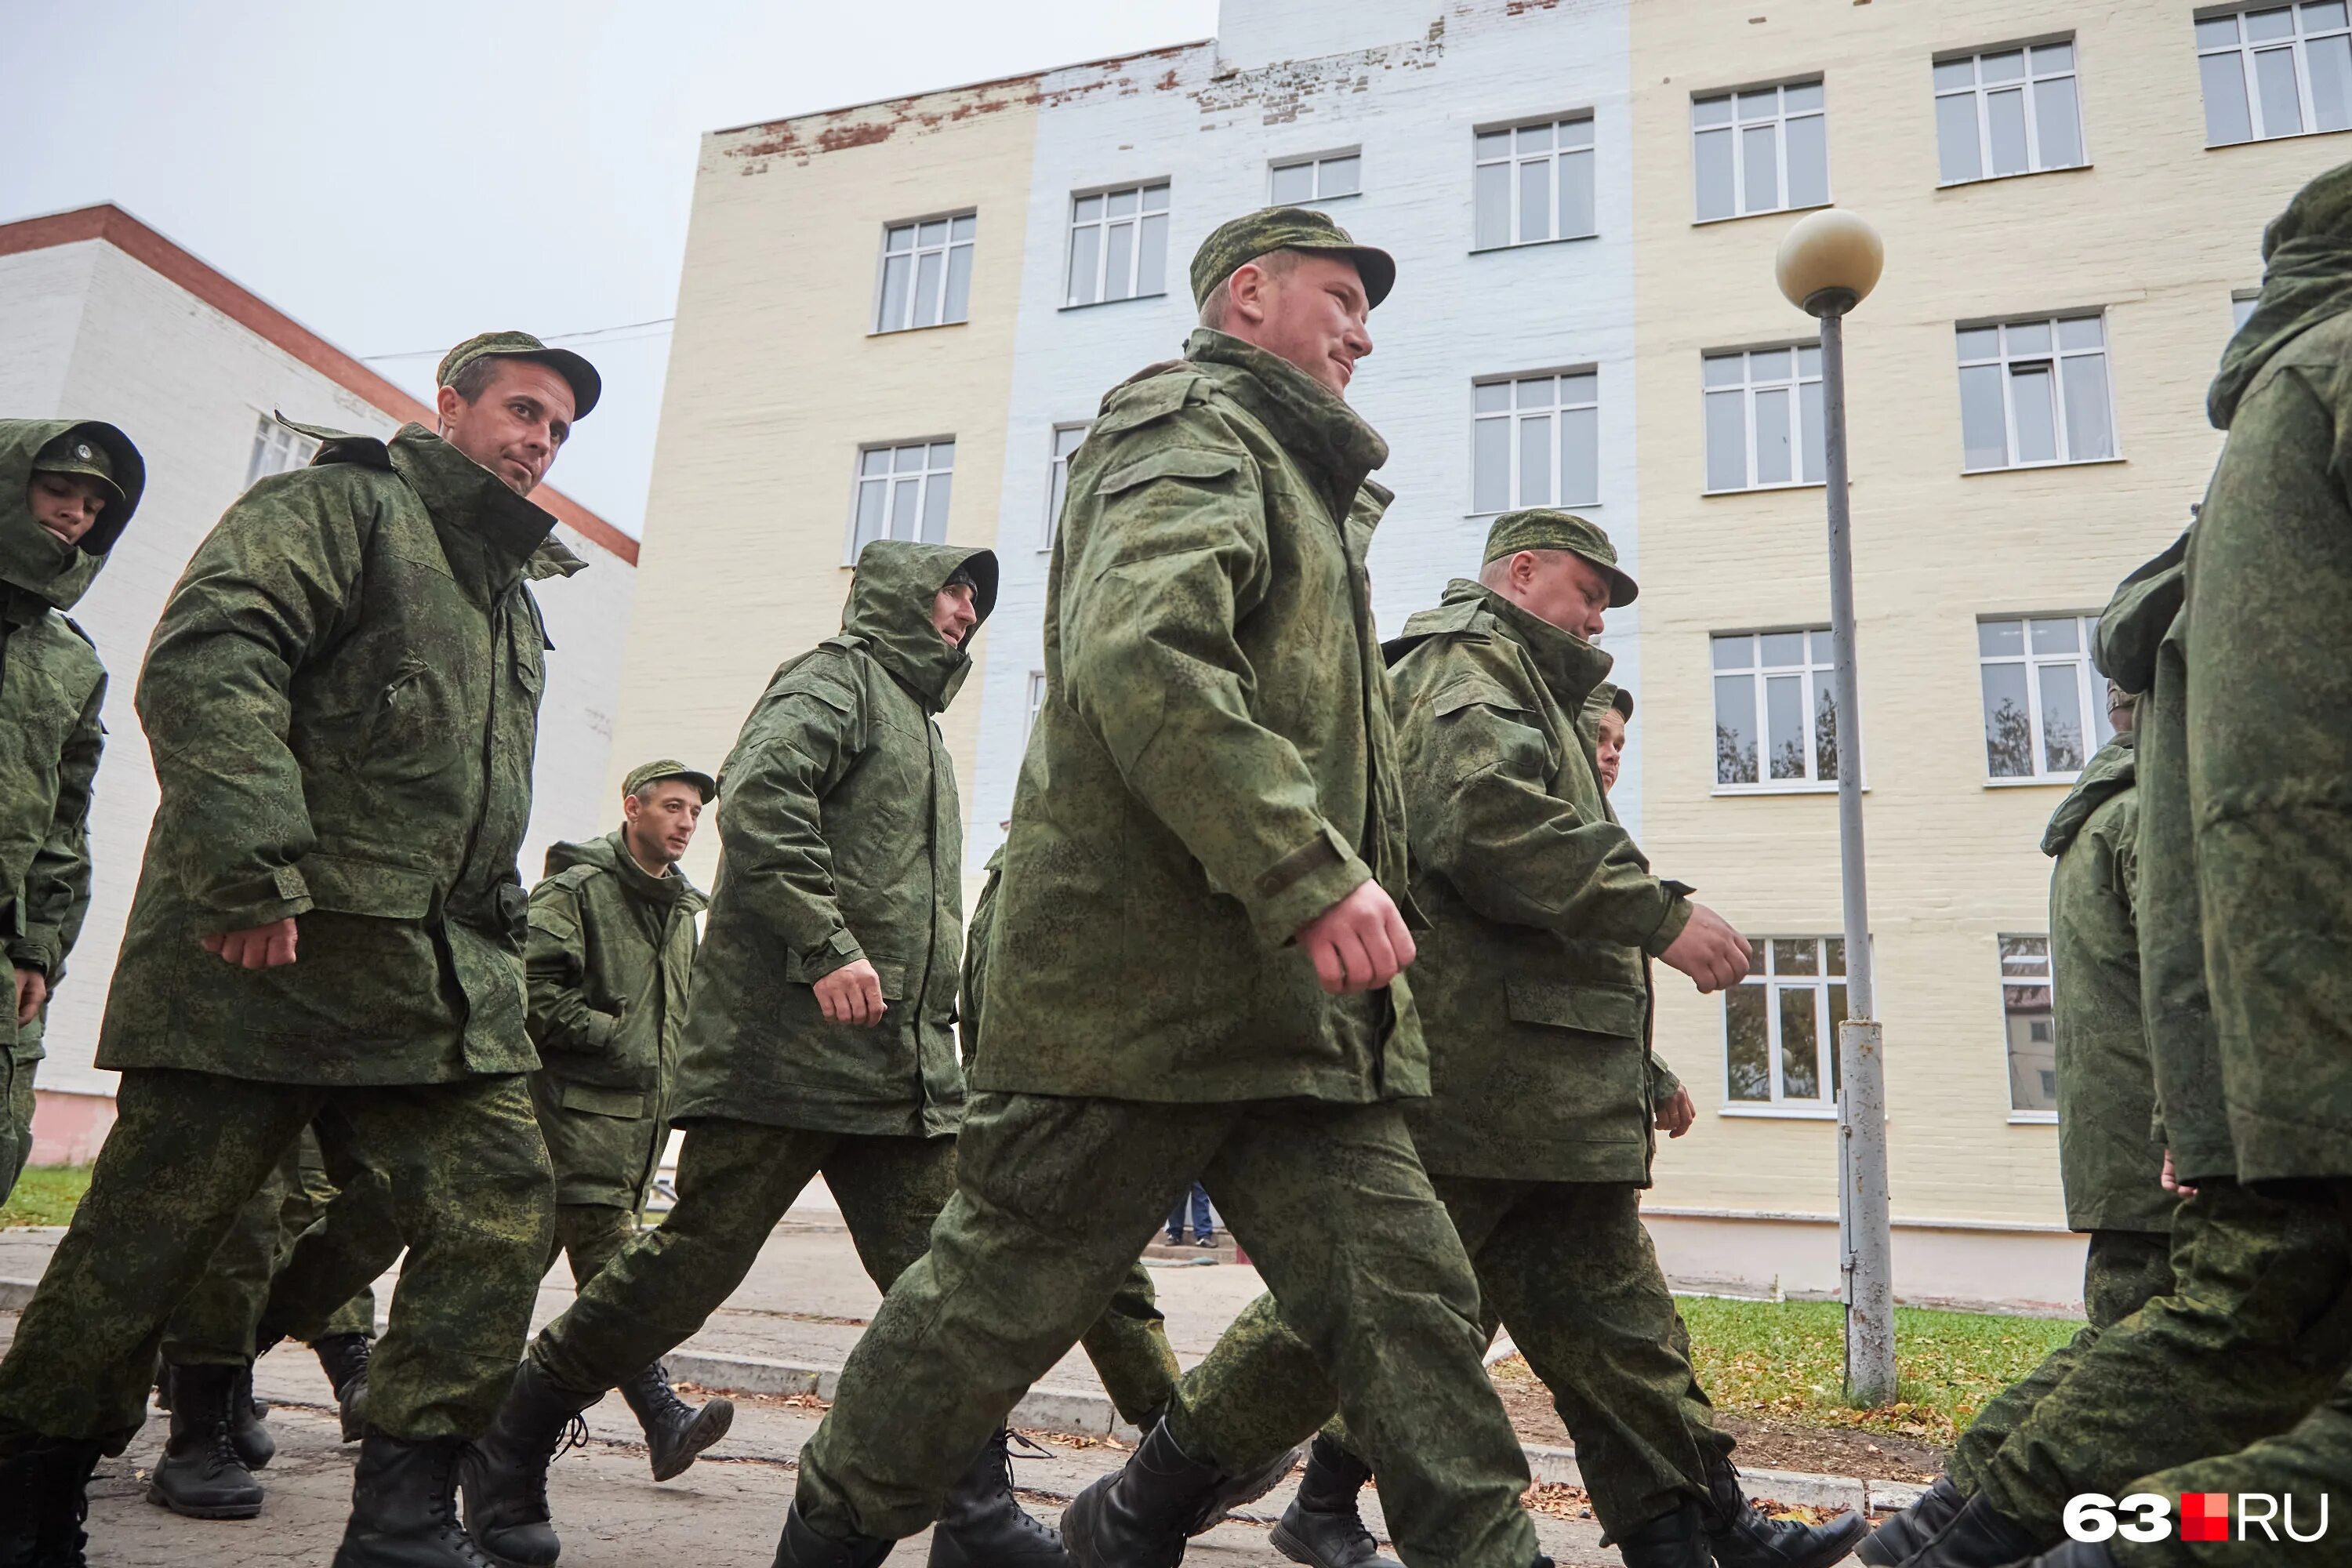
{"x": 1511, "y": 157}
{"x": 277, "y": 449}
{"x": 1817, "y": 675}
{"x": 1764, "y": 975}
{"x": 930, "y": 470}
{"x": 2056, "y": 355}
{"x": 2090, "y": 689}
{"x": 1143, "y": 191}
{"x": 1057, "y": 475}
{"x": 2297, "y": 43}
{"x": 2029, "y": 76}
{"x": 1738, "y": 125}
{"x": 1032, "y": 705}
{"x": 1314, "y": 163}
{"x": 2026, "y": 971}
{"x": 1513, "y": 413}
{"x": 964, "y": 224}
{"x": 1799, "y": 378}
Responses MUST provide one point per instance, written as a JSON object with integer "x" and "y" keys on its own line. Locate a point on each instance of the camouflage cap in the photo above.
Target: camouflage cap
{"x": 1541, "y": 528}
{"x": 586, "y": 384}
{"x": 1251, "y": 236}
{"x": 644, "y": 773}
{"x": 1606, "y": 697}
{"x": 76, "y": 453}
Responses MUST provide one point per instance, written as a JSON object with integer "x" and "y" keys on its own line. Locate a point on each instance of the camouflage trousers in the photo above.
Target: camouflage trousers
{"x": 591, "y": 1236}
{"x": 2123, "y": 1270}
{"x": 1054, "y": 1198}
{"x": 470, "y": 1196}
{"x": 2307, "y": 1468}
{"x": 1568, "y": 1268}
{"x": 15, "y": 1118}
{"x": 2256, "y": 1331}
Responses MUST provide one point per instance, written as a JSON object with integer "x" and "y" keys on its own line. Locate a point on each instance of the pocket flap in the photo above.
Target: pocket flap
{"x": 1597, "y": 1009}
{"x": 597, "y": 1101}
{"x": 367, "y": 887}
{"x": 1173, "y": 463}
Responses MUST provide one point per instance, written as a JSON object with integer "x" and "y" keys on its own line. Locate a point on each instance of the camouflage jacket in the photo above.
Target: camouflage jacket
{"x": 841, "y": 837}
{"x": 51, "y": 689}
{"x": 1533, "y": 984}
{"x": 1213, "y": 765}
{"x": 2108, "y": 1156}
{"x": 342, "y": 700}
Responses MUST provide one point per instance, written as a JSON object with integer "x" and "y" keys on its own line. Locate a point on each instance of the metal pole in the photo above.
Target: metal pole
{"x": 1868, "y": 1261}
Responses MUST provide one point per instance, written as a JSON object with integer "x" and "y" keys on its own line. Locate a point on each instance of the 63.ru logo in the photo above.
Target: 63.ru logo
{"x": 2204, "y": 1516}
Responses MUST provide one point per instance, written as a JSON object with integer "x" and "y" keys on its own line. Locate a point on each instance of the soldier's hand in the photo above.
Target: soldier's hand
{"x": 2172, "y": 1183}
{"x": 32, "y": 990}
{"x": 256, "y": 947}
{"x": 1709, "y": 951}
{"x": 1676, "y": 1115}
{"x": 1359, "y": 943}
{"x": 852, "y": 994}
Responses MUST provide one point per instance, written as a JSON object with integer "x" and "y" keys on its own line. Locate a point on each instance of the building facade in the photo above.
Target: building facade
{"x": 895, "y": 319}
{"x": 102, "y": 318}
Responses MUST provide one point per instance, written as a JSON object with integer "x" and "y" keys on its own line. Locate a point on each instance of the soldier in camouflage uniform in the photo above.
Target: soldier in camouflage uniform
{"x": 1534, "y": 992}
{"x": 1199, "y": 950}
{"x": 67, "y": 488}
{"x": 821, "y": 1038}
{"x": 341, "y": 697}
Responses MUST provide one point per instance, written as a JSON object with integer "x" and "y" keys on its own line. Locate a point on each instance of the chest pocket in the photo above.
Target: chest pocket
{"x": 414, "y": 732}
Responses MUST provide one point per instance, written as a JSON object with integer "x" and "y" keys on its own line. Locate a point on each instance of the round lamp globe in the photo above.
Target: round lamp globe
{"x": 1829, "y": 261}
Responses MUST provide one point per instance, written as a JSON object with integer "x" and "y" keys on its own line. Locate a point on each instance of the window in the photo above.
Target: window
{"x": 2032, "y": 1029}
{"x": 1118, "y": 244}
{"x": 275, "y": 449}
{"x": 1764, "y": 418}
{"x": 1779, "y": 1024}
{"x": 1037, "y": 703}
{"x": 2276, "y": 72}
{"x": 2035, "y": 391}
{"x": 902, "y": 493}
{"x": 1317, "y": 179}
{"x": 2011, "y": 111}
{"x": 926, "y": 273}
{"x": 1759, "y": 152}
{"x": 2242, "y": 305}
{"x": 2042, "y": 697}
{"x": 1058, "y": 483}
{"x": 1534, "y": 183}
{"x": 1534, "y": 440}
{"x": 1774, "y": 711}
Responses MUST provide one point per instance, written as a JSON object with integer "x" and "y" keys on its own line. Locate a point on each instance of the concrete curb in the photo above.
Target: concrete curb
{"x": 14, "y": 1293}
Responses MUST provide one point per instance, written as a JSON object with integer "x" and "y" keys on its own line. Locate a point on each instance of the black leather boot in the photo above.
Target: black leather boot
{"x": 404, "y": 1508}
{"x": 1139, "y": 1517}
{"x": 1675, "y": 1539}
{"x": 1744, "y": 1536}
{"x": 801, "y": 1547}
{"x": 344, "y": 1359}
{"x": 675, "y": 1431}
{"x": 200, "y": 1475}
{"x": 1912, "y": 1528}
{"x": 1322, "y": 1527}
{"x": 1979, "y": 1536}
{"x": 505, "y": 1474}
{"x": 254, "y": 1444}
{"x": 44, "y": 1501}
{"x": 984, "y": 1525}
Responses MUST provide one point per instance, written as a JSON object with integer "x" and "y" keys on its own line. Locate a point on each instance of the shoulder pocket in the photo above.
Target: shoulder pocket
{"x": 1599, "y": 1009}
{"x": 1170, "y": 463}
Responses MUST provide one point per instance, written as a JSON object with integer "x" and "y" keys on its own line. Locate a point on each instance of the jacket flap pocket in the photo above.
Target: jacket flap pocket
{"x": 1173, "y": 463}
{"x": 1471, "y": 692}
{"x": 367, "y": 887}
{"x": 893, "y": 976}
{"x": 1597, "y": 1009}
{"x": 603, "y": 1101}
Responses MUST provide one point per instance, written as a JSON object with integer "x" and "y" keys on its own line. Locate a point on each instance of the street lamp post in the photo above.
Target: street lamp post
{"x": 1828, "y": 262}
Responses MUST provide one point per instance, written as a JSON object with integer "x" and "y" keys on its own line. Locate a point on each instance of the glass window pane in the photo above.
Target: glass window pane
{"x": 934, "y": 233}
{"x": 1085, "y": 255}
{"x": 1535, "y": 462}
{"x": 1711, "y": 111}
{"x": 1834, "y": 947}
{"x": 1956, "y": 139}
{"x": 1735, "y": 729}
{"x": 935, "y": 508}
{"x": 1952, "y": 74}
{"x": 1800, "y": 1046}
{"x": 1576, "y": 134}
{"x": 1747, "y": 1044}
{"x": 2081, "y": 333}
{"x": 2056, "y": 636}
{"x": 943, "y": 454}
{"x": 1155, "y": 198}
{"x": 1825, "y": 752}
{"x": 2006, "y": 66}
{"x": 2033, "y": 1048}
{"x": 893, "y": 314}
{"x": 1490, "y": 444}
{"x": 1809, "y": 360}
{"x": 1784, "y": 725}
{"x": 2226, "y": 120}
{"x": 2062, "y": 717}
{"x": 2005, "y": 122}
{"x": 2330, "y": 62}
{"x": 1340, "y": 176}
{"x": 2048, "y": 57}
{"x": 2275, "y": 79}
{"x": 869, "y": 517}
{"x": 1984, "y": 435}
{"x": 928, "y": 271}
{"x": 1120, "y": 204}
{"x": 1768, "y": 364}
{"x": 1727, "y": 441}
{"x": 1493, "y": 144}
{"x": 1294, "y": 182}
{"x": 2036, "y": 412}
{"x": 1535, "y": 201}
{"x": 1119, "y": 261}
{"x": 905, "y": 494}
{"x": 1533, "y": 139}
{"x": 2278, "y": 24}
{"x": 1723, "y": 370}
{"x": 2001, "y": 638}
{"x": 907, "y": 460}
{"x": 1151, "y": 265}
{"x": 1711, "y": 172}
{"x": 1733, "y": 652}
{"x": 875, "y": 461}
{"x": 1979, "y": 342}
{"x": 1575, "y": 194}
{"x": 1762, "y": 104}
{"x": 1087, "y": 209}
{"x": 1494, "y": 194}
{"x": 1580, "y": 457}
{"x": 1538, "y": 391}
{"x": 1585, "y": 388}
{"x": 1783, "y": 649}
{"x": 1837, "y": 1016}
{"x": 2009, "y": 722}
{"x": 1824, "y": 646}
{"x": 966, "y": 226}
{"x": 1816, "y": 434}
{"x": 1795, "y": 955}
{"x": 2089, "y": 435}
{"x": 2029, "y": 338}
{"x": 2054, "y": 121}
{"x": 1491, "y": 396}
{"x": 1800, "y": 97}
{"x": 1773, "y": 456}
{"x": 2215, "y": 31}
{"x": 2319, "y": 17}
{"x": 1808, "y": 161}
{"x": 1066, "y": 441}
{"x": 959, "y": 301}
{"x": 1761, "y": 188}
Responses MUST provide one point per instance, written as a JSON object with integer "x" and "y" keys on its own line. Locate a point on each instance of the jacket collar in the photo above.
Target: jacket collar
{"x": 1569, "y": 667}
{"x": 2109, "y": 774}
{"x": 1314, "y": 426}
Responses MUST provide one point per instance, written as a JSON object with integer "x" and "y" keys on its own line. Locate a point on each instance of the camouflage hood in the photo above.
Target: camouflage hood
{"x": 2306, "y": 278}
{"x": 31, "y": 556}
{"x": 611, "y": 853}
{"x": 2111, "y": 772}
{"x": 890, "y": 609}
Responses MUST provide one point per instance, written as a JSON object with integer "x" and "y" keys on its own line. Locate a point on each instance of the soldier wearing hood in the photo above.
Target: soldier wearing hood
{"x": 67, "y": 488}
{"x": 342, "y": 696}
{"x": 822, "y": 1036}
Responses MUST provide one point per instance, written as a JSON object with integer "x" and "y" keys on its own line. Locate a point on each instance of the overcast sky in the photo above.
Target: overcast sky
{"x": 399, "y": 177}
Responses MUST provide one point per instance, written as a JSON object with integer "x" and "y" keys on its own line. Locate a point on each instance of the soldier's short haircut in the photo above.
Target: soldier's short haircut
{"x": 473, "y": 379}
{"x": 1274, "y": 264}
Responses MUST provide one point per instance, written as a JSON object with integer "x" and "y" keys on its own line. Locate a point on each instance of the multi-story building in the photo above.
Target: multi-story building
{"x": 102, "y": 318}
{"x": 895, "y": 321}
